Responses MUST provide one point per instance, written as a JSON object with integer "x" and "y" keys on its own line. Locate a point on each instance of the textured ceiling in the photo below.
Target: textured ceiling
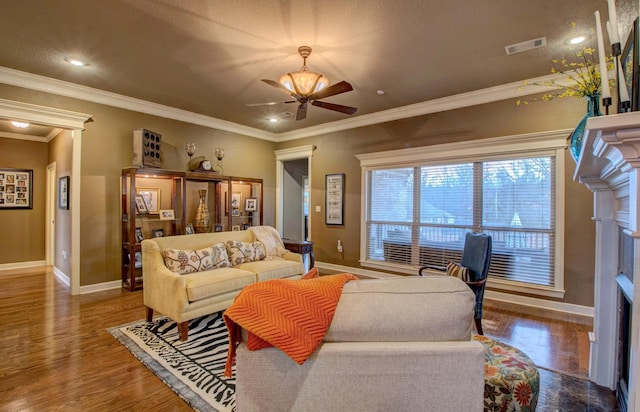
{"x": 208, "y": 57}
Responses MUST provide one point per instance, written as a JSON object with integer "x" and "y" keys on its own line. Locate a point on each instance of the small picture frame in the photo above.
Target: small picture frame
{"x": 151, "y": 198}
{"x": 167, "y": 214}
{"x": 235, "y": 212}
{"x": 217, "y": 228}
{"x": 141, "y": 205}
{"x": 157, "y": 232}
{"x": 189, "y": 229}
{"x": 138, "y": 260}
{"x": 235, "y": 228}
{"x": 236, "y": 200}
{"x": 63, "y": 192}
{"x": 139, "y": 236}
{"x": 251, "y": 204}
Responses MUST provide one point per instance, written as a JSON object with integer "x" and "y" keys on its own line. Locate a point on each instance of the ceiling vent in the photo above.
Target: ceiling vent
{"x": 526, "y": 45}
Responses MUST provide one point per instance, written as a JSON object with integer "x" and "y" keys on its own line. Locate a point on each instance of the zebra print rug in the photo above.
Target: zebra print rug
{"x": 192, "y": 369}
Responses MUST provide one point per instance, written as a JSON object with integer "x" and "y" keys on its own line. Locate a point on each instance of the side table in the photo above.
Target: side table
{"x": 304, "y": 247}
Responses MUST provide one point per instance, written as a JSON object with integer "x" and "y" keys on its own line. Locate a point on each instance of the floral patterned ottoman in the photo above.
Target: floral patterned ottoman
{"x": 512, "y": 382}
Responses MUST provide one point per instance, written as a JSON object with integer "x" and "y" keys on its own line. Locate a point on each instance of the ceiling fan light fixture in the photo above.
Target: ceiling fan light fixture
{"x": 304, "y": 82}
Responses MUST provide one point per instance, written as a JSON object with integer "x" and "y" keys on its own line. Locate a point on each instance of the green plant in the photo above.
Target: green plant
{"x": 583, "y": 74}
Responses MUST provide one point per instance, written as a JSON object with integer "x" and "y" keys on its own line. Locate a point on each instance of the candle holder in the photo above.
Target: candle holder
{"x": 190, "y": 148}
{"x": 219, "y": 153}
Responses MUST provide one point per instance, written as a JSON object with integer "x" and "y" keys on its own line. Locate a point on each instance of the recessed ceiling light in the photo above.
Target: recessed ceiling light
{"x": 577, "y": 40}
{"x": 21, "y": 125}
{"x": 380, "y": 92}
{"x": 273, "y": 120}
{"x": 76, "y": 62}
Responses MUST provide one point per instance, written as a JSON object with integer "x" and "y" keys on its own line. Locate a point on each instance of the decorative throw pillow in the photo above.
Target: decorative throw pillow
{"x": 241, "y": 252}
{"x": 312, "y": 274}
{"x": 188, "y": 261}
{"x": 461, "y": 272}
{"x": 219, "y": 256}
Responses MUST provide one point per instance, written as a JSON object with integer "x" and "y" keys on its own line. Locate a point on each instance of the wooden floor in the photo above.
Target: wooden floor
{"x": 56, "y": 353}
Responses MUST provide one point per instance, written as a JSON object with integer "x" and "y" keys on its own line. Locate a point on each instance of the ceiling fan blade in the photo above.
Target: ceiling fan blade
{"x": 336, "y": 107}
{"x": 281, "y": 87}
{"x": 302, "y": 111}
{"x": 269, "y": 103}
{"x": 332, "y": 90}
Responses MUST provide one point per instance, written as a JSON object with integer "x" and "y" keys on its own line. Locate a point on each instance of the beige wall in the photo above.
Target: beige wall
{"x": 22, "y": 238}
{"x": 60, "y": 153}
{"x": 336, "y": 152}
{"x": 106, "y": 149}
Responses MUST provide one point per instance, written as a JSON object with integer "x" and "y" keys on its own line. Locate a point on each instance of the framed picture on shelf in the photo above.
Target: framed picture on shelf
{"x": 167, "y": 214}
{"x": 629, "y": 60}
{"x": 151, "y": 197}
{"x": 235, "y": 212}
{"x": 251, "y": 204}
{"x": 217, "y": 228}
{"x": 157, "y": 232}
{"x": 236, "y": 200}
{"x": 139, "y": 236}
{"x": 189, "y": 229}
{"x": 141, "y": 205}
{"x": 16, "y": 188}
{"x": 235, "y": 228}
{"x": 334, "y": 199}
{"x": 63, "y": 192}
{"x": 138, "y": 260}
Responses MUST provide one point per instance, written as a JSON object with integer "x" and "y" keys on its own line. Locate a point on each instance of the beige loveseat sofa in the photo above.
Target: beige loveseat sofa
{"x": 393, "y": 345}
{"x": 183, "y": 297}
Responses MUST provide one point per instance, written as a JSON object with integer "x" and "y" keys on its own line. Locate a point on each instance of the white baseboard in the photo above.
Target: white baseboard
{"x": 64, "y": 278}
{"x": 99, "y": 287}
{"x": 563, "y": 307}
{"x": 22, "y": 265}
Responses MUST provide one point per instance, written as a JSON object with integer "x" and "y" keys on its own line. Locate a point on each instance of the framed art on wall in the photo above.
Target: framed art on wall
{"x": 334, "y": 199}
{"x": 63, "y": 192}
{"x": 251, "y": 204}
{"x": 16, "y": 188}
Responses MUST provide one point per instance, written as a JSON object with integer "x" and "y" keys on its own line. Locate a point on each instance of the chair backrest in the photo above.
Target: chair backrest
{"x": 477, "y": 255}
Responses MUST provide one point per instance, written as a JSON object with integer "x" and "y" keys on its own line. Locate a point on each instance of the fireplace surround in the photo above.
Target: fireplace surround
{"x": 608, "y": 165}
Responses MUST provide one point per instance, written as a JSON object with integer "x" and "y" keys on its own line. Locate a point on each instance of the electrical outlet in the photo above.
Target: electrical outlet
{"x": 318, "y": 209}
{"x": 64, "y": 254}
{"x": 340, "y": 249}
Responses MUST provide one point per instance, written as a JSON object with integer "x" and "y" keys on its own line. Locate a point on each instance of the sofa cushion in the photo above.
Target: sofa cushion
{"x": 241, "y": 252}
{"x": 188, "y": 261}
{"x": 433, "y": 308}
{"x": 219, "y": 256}
{"x": 459, "y": 271}
{"x": 273, "y": 269}
{"x": 202, "y": 285}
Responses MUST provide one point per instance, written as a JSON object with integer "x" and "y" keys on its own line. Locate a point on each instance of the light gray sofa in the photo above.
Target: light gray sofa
{"x": 186, "y": 297}
{"x": 393, "y": 345}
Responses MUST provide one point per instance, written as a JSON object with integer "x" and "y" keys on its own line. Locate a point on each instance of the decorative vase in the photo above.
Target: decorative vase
{"x": 577, "y": 136}
{"x": 201, "y": 223}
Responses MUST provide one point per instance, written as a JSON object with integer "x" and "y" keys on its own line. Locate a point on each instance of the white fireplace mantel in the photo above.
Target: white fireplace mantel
{"x": 608, "y": 166}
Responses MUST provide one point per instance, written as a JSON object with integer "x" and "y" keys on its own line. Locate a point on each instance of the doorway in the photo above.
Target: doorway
{"x": 293, "y": 192}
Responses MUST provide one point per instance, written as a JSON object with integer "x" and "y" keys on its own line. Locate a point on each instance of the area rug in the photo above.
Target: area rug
{"x": 194, "y": 369}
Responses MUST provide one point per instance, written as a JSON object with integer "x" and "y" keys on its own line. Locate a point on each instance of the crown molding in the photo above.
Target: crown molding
{"x": 477, "y": 97}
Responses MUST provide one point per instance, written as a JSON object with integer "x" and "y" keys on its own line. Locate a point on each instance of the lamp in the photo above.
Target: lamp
{"x": 304, "y": 82}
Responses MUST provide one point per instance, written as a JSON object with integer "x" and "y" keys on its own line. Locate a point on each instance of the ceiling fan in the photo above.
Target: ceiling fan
{"x": 308, "y": 87}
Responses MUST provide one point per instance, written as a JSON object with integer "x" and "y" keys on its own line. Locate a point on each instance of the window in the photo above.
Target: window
{"x": 417, "y": 210}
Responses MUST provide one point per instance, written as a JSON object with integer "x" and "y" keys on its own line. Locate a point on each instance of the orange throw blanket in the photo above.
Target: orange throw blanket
{"x": 292, "y": 315}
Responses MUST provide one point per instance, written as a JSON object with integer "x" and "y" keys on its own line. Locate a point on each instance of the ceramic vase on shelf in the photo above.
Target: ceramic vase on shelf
{"x": 577, "y": 136}
{"x": 202, "y": 220}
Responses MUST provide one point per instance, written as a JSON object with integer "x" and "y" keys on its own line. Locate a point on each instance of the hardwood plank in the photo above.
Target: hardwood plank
{"x": 57, "y": 354}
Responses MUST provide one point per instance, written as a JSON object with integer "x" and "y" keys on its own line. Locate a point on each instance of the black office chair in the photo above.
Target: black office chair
{"x": 476, "y": 256}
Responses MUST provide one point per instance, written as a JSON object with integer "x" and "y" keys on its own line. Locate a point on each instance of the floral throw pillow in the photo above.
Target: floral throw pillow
{"x": 188, "y": 261}
{"x": 220, "y": 257}
{"x": 461, "y": 272}
{"x": 241, "y": 252}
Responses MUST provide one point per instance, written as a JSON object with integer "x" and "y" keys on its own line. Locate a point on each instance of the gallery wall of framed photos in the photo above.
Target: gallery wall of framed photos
{"x": 16, "y": 188}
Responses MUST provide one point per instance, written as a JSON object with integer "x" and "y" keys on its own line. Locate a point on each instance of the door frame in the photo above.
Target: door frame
{"x": 50, "y": 215}
{"x": 293, "y": 153}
